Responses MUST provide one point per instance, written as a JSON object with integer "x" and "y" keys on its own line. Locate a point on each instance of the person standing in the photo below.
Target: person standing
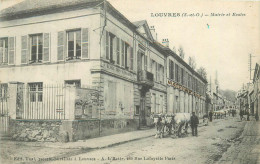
{"x": 241, "y": 114}
{"x": 194, "y": 124}
{"x": 210, "y": 116}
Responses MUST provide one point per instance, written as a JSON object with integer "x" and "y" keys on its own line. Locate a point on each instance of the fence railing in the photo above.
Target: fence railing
{"x": 37, "y": 101}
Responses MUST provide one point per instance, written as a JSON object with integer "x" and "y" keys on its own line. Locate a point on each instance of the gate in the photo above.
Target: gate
{"x": 4, "y": 114}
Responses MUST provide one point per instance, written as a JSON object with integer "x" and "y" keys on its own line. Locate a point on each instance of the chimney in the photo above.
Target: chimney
{"x": 154, "y": 34}
{"x": 165, "y": 42}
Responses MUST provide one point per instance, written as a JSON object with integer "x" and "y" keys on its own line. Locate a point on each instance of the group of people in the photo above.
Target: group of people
{"x": 244, "y": 112}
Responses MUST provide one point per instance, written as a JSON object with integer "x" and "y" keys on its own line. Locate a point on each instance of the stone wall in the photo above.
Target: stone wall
{"x": 66, "y": 130}
{"x": 84, "y": 129}
{"x": 35, "y": 130}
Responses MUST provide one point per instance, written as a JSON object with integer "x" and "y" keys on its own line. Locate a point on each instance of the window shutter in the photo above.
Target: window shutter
{"x": 122, "y": 53}
{"x": 132, "y": 58}
{"x": 85, "y": 43}
{"x": 5, "y": 54}
{"x": 117, "y": 50}
{"x": 107, "y": 45}
{"x": 11, "y": 49}
{"x": 46, "y": 47}
{"x": 61, "y": 41}
{"x": 24, "y": 49}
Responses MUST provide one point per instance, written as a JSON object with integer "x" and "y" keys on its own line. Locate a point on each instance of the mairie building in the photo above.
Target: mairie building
{"x": 83, "y": 68}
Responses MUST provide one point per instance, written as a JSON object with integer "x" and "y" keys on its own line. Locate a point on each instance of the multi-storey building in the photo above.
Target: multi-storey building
{"x": 47, "y": 46}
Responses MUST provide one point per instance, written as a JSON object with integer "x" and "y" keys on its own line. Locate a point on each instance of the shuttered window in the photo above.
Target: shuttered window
{"x": 24, "y": 50}
{"x": 74, "y": 45}
{"x": 3, "y": 51}
{"x": 36, "y": 48}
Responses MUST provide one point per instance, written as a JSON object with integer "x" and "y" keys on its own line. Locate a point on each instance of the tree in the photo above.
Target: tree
{"x": 202, "y": 71}
{"x": 181, "y": 52}
{"x": 229, "y": 94}
{"x": 192, "y": 62}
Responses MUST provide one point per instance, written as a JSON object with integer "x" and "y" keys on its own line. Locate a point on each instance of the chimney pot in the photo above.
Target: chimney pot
{"x": 165, "y": 42}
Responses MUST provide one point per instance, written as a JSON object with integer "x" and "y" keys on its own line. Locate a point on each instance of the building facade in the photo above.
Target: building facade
{"x": 52, "y": 52}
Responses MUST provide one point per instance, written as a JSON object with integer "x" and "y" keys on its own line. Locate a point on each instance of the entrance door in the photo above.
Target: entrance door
{"x": 142, "y": 113}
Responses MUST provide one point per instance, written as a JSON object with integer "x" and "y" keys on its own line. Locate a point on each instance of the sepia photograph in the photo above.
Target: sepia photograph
{"x": 129, "y": 81}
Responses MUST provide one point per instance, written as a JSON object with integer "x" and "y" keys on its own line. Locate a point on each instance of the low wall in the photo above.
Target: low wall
{"x": 35, "y": 130}
{"x": 84, "y": 129}
{"x": 66, "y": 130}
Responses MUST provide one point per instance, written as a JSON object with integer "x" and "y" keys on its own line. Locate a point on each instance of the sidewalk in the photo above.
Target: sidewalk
{"x": 106, "y": 141}
{"x": 102, "y": 142}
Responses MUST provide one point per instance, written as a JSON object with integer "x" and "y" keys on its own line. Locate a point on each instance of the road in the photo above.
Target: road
{"x": 222, "y": 141}
{"x": 226, "y": 140}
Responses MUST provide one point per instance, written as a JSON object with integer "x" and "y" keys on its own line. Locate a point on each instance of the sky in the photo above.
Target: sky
{"x": 220, "y": 44}
{"x": 223, "y": 46}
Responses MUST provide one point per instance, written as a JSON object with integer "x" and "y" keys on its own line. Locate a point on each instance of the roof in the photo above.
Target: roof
{"x": 139, "y": 23}
{"x": 179, "y": 59}
{"x": 27, "y": 7}
{"x": 144, "y": 24}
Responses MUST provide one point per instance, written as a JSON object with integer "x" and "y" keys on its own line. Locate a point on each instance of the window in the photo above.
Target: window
{"x": 117, "y": 51}
{"x": 137, "y": 110}
{"x": 126, "y": 55}
{"x": 75, "y": 83}
{"x": 157, "y": 71}
{"x": 171, "y": 69}
{"x": 182, "y": 76}
{"x": 122, "y": 53}
{"x": 110, "y": 46}
{"x": 3, "y": 90}
{"x": 3, "y": 50}
{"x": 35, "y": 92}
{"x": 145, "y": 62}
{"x": 132, "y": 58}
{"x": 36, "y": 48}
{"x": 74, "y": 44}
{"x": 162, "y": 74}
{"x": 176, "y": 73}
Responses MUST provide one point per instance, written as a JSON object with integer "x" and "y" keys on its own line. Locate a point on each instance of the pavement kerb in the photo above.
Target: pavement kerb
{"x": 123, "y": 142}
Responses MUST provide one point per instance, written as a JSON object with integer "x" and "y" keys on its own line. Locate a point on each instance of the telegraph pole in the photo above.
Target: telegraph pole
{"x": 250, "y": 65}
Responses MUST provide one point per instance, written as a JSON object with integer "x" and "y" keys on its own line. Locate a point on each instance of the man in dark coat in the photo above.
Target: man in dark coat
{"x": 194, "y": 121}
{"x": 241, "y": 114}
{"x": 210, "y": 116}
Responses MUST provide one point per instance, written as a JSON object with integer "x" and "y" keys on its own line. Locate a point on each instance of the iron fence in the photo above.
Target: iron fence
{"x": 38, "y": 101}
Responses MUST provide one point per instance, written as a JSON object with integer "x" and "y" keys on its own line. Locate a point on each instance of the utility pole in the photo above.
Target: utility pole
{"x": 250, "y": 65}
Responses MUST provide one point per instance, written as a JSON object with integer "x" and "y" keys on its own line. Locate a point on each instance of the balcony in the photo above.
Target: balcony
{"x": 145, "y": 78}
